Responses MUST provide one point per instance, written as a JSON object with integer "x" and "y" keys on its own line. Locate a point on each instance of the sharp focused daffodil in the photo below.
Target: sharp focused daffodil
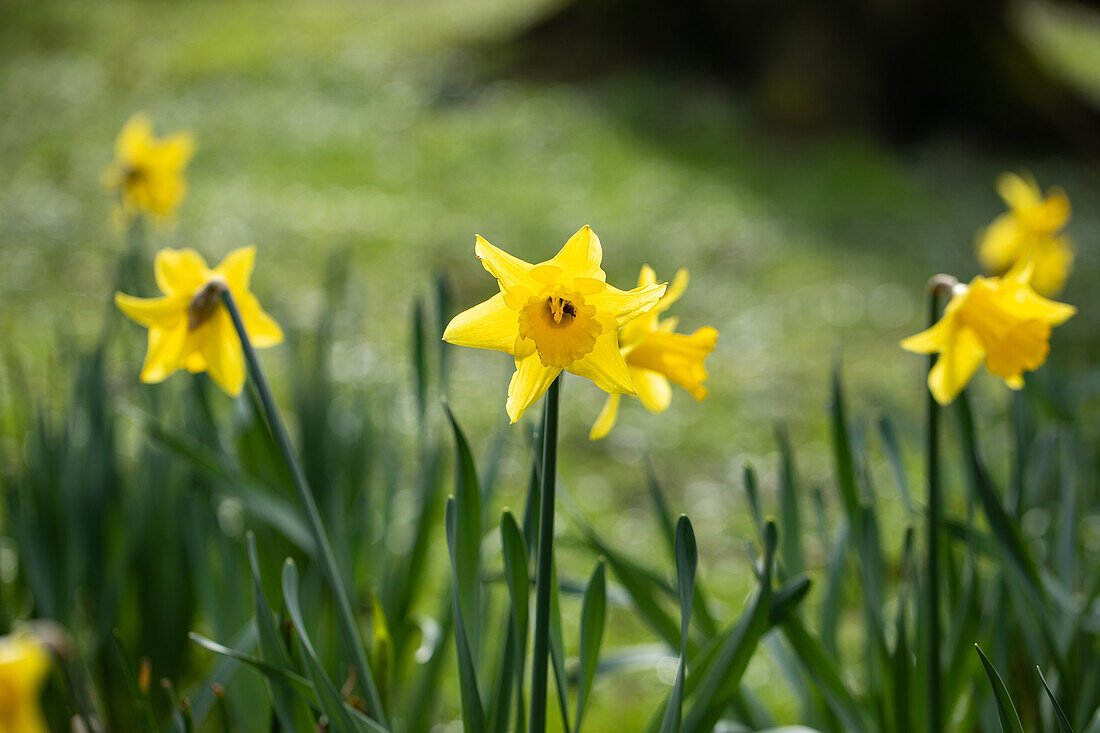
{"x": 189, "y": 326}
{"x": 24, "y": 665}
{"x": 1029, "y": 232}
{"x": 557, "y": 315}
{"x": 656, "y": 355}
{"x": 1002, "y": 321}
{"x": 147, "y": 171}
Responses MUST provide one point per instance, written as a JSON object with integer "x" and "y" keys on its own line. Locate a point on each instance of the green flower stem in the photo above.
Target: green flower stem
{"x": 347, "y": 624}
{"x": 545, "y": 566}
{"x": 935, "y": 511}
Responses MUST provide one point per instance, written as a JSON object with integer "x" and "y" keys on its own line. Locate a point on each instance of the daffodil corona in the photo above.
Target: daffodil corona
{"x": 557, "y": 315}
{"x": 1029, "y": 232}
{"x": 656, "y": 355}
{"x": 24, "y": 664}
{"x": 1002, "y": 321}
{"x": 147, "y": 172}
{"x": 189, "y": 326}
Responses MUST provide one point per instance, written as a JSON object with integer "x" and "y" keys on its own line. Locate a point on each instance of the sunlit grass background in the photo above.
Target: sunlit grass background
{"x": 394, "y": 131}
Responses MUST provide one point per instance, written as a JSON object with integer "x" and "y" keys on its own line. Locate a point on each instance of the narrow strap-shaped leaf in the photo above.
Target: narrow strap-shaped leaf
{"x": 517, "y": 576}
{"x": 891, "y": 448}
{"x": 289, "y": 678}
{"x": 1063, "y": 722}
{"x": 842, "y": 449}
{"x": 752, "y": 492}
{"x": 593, "y": 616}
{"x": 557, "y": 648}
{"x": 790, "y": 535}
{"x": 822, "y": 670}
{"x": 1006, "y": 710}
{"x": 664, "y": 518}
{"x": 288, "y": 708}
{"x": 687, "y": 559}
{"x": 328, "y": 696}
{"x": 473, "y": 714}
{"x": 722, "y": 680}
{"x": 138, "y": 697}
{"x": 467, "y": 536}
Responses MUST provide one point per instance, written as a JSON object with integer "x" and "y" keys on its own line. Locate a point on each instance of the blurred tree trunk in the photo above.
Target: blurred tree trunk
{"x": 903, "y": 67}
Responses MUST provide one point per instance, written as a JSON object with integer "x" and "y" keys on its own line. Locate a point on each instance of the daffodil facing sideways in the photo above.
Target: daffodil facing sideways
{"x": 656, "y": 355}
{"x": 189, "y": 326}
{"x": 147, "y": 171}
{"x": 24, "y": 666}
{"x": 557, "y": 315}
{"x": 1002, "y": 321}
{"x": 1029, "y": 232}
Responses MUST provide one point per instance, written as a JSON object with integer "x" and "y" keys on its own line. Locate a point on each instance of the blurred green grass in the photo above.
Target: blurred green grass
{"x": 371, "y": 127}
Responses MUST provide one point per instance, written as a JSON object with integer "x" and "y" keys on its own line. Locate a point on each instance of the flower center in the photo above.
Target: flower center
{"x": 562, "y": 327}
{"x": 204, "y": 303}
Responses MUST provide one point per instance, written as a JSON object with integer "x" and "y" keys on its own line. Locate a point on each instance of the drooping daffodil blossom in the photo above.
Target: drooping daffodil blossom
{"x": 1001, "y": 321}
{"x": 189, "y": 326}
{"x": 1029, "y": 232}
{"x": 147, "y": 171}
{"x": 557, "y": 315}
{"x": 24, "y": 666}
{"x": 656, "y": 355}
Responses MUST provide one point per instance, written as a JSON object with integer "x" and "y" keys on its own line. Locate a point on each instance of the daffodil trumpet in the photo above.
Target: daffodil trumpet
{"x": 545, "y": 559}
{"x": 205, "y": 302}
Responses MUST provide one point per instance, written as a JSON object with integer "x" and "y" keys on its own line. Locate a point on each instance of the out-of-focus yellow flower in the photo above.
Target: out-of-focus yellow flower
{"x": 1030, "y": 231}
{"x": 189, "y": 326}
{"x": 559, "y": 314}
{"x": 147, "y": 171}
{"x": 655, "y": 355}
{"x": 24, "y": 664}
{"x": 1002, "y": 321}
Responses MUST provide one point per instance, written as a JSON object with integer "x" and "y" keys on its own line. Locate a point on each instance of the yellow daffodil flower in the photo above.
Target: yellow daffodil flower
{"x": 1002, "y": 321}
{"x": 147, "y": 172}
{"x": 189, "y": 326}
{"x": 24, "y": 665}
{"x": 559, "y": 314}
{"x": 655, "y": 355}
{"x": 1030, "y": 231}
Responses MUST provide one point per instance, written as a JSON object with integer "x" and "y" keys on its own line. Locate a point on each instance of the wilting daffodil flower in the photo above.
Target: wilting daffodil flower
{"x": 189, "y": 326}
{"x": 24, "y": 665}
{"x": 1030, "y": 231}
{"x": 147, "y": 171}
{"x": 655, "y": 355}
{"x": 559, "y": 314}
{"x": 1001, "y": 320}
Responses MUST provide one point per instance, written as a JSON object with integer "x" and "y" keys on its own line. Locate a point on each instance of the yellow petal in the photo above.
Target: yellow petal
{"x": 955, "y": 366}
{"x": 508, "y": 270}
{"x": 236, "y": 268}
{"x": 1001, "y": 244}
{"x": 1029, "y": 304}
{"x": 1055, "y": 210}
{"x": 1018, "y": 192}
{"x": 164, "y": 353}
{"x": 654, "y": 390}
{"x": 263, "y": 331}
{"x": 674, "y": 292}
{"x": 135, "y": 136}
{"x": 223, "y": 354}
{"x": 604, "y": 365}
{"x": 163, "y": 312}
{"x": 177, "y": 149}
{"x": 581, "y": 256}
{"x": 606, "y": 419}
{"x": 623, "y": 306}
{"x": 179, "y": 271}
{"x": 1053, "y": 261}
{"x": 530, "y": 382}
{"x": 646, "y": 276}
{"x": 932, "y": 339}
{"x": 489, "y": 325}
